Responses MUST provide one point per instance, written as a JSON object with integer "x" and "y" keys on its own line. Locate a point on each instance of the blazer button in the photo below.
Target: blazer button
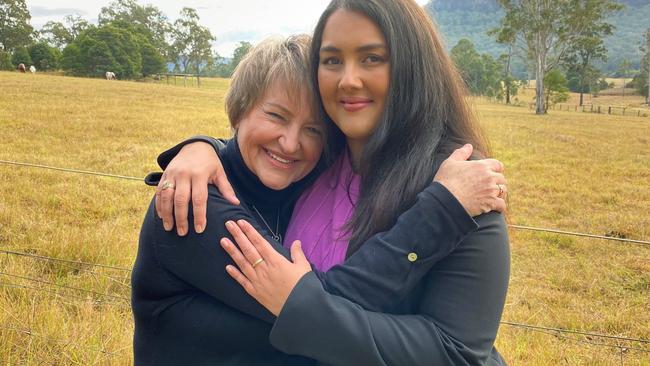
{"x": 412, "y": 257}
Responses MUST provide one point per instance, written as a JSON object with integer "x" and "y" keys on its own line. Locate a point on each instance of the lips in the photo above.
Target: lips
{"x": 353, "y": 104}
{"x": 279, "y": 160}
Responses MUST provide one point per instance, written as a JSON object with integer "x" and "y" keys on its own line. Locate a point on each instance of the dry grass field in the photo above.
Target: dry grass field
{"x": 572, "y": 171}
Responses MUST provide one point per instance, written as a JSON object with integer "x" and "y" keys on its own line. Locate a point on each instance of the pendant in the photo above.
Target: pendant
{"x": 277, "y": 238}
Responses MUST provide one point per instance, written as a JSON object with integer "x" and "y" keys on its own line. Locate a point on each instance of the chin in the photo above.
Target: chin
{"x": 276, "y": 185}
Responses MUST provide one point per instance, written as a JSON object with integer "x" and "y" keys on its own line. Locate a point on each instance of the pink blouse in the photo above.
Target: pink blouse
{"x": 321, "y": 213}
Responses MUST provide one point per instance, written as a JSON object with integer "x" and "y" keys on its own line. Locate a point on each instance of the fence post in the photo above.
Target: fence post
{"x": 609, "y": 110}
{"x": 598, "y": 109}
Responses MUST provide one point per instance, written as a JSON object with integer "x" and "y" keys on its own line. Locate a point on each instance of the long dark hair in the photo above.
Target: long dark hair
{"x": 426, "y": 115}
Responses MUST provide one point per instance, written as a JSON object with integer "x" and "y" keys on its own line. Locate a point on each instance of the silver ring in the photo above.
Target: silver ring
{"x": 167, "y": 185}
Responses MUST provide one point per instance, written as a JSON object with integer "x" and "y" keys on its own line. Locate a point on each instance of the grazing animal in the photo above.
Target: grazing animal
{"x": 21, "y": 67}
{"x": 32, "y": 69}
{"x": 110, "y": 75}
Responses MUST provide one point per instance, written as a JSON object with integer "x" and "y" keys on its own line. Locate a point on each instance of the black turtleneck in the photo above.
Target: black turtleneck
{"x": 275, "y": 206}
{"x": 186, "y": 307}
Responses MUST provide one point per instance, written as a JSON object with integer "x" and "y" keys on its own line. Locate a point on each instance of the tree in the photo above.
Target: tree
{"x": 147, "y": 20}
{"x": 555, "y": 85}
{"x": 624, "y": 70}
{"x": 240, "y": 52}
{"x": 44, "y": 57}
{"x": 510, "y": 84}
{"x": 72, "y": 61}
{"x": 152, "y": 61}
{"x": 21, "y": 56}
{"x": 192, "y": 48}
{"x": 642, "y": 79}
{"x": 545, "y": 30}
{"x": 60, "y": 35}
{"x": 481, "y": 73}
{"x": 587, "y": 48}
{"x": 583, "y": 79}
{"x": 5, "y": 61}
{"x": 104, "y": 48}
{"x": 15, "y": 30}
{"x": 468, "y": 62}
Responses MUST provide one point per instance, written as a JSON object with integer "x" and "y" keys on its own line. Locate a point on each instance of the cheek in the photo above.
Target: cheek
{"x": 313, "y": 150}
{"x": 325, "y": 82}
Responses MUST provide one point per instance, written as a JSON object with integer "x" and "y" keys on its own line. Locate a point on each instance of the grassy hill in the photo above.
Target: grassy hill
{"x": 471, "y": 19}
{"x": 571, "y": 171}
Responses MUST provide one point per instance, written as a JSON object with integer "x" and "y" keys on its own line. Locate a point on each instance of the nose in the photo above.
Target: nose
{"x": 290, "y": 140}
{"x": 350, "y": 80}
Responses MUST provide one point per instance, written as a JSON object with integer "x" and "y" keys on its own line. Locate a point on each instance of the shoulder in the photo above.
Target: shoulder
{"x": 218, "y": 206}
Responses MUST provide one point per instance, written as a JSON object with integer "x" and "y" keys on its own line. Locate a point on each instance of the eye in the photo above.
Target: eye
{"x": 331, "y": 61}
{"x": 373, "y": 59}
{"x": 275, "y": 116}
{"x": 314, "y": 131}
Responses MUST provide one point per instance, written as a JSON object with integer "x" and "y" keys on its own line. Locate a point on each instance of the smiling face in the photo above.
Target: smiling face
{"x": 353, "y": 75}
{"x": 279, "y": 138}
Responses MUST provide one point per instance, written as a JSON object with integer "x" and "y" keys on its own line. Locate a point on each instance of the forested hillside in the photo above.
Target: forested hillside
{"x": 473, "y": 18}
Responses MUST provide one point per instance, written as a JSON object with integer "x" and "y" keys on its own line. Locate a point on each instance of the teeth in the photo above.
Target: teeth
{"x": 279, "y": 158}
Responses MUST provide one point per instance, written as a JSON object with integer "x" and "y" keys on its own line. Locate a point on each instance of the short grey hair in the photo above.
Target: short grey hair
{"x": 272, "y": 60}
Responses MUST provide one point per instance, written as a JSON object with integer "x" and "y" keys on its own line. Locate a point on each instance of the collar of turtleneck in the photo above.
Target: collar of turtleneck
{"x": 249, "y": 187}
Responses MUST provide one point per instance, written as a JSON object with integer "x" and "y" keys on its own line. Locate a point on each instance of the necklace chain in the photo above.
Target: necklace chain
{"x": 276, "y": 235}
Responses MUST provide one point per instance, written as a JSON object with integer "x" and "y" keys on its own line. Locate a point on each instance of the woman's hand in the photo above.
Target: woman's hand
{"x": 188, "y": 175}
{"x": 264, "y": 273}
{"x": 479, "y": 185}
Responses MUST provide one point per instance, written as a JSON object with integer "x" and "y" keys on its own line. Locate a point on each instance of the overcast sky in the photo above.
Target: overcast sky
{"x": 230, "y": 21}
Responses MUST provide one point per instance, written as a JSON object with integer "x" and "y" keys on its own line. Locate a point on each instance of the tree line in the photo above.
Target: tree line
{"x": 559, "y": 42}
{"x": 132, "y": 40}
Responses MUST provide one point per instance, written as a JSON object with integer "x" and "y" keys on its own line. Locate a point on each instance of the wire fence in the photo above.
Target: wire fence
{"x": 97, "y": 298}
{"x": 530, "y": 228}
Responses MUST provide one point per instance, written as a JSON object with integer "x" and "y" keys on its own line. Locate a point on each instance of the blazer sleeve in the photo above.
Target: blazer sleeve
{"x": 456, "y": 322}
{"x": 198, "y": 259}
{"x": 390, "y": 264}
{"x": 166, "y": 156}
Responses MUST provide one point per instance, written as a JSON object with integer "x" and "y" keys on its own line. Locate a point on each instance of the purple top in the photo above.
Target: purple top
{"x": 321, "y": 213}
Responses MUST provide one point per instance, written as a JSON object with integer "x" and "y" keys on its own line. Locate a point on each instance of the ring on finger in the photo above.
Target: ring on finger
{"x": 167, "y": 185}
{"x": 501, "y": 191}
{"x": 258, "y": 262}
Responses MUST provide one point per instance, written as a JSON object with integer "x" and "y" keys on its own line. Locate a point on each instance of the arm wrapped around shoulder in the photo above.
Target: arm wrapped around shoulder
{"x": 455, "y": 322}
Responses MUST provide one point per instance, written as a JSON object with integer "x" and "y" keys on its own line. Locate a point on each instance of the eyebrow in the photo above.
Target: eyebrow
{"x": 279, "y": 106}
{"x": 367, "y": 47}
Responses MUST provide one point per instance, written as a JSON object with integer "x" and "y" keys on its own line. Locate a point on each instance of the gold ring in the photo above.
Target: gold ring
{"x": 258, "y": 262}
{"x": 500, "y": 190}
{"x": 167, "y": 185}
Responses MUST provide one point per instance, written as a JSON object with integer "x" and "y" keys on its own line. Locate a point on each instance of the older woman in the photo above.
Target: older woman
{"x": 188, "y": 311}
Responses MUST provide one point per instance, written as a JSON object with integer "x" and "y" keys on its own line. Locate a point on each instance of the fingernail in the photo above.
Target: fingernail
{"x": 199, "y": 228}
{"x": 229, "y": 224}
{"x": 182, "y": 231}
{"x": 167, "y": 226}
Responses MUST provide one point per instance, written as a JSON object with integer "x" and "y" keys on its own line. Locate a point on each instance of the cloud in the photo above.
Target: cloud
{"x": 41, "y": 11}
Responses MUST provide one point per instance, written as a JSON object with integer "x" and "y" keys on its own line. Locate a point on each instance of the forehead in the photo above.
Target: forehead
{"x": 293, "y": 97}
{"x": 345, "y": 27}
